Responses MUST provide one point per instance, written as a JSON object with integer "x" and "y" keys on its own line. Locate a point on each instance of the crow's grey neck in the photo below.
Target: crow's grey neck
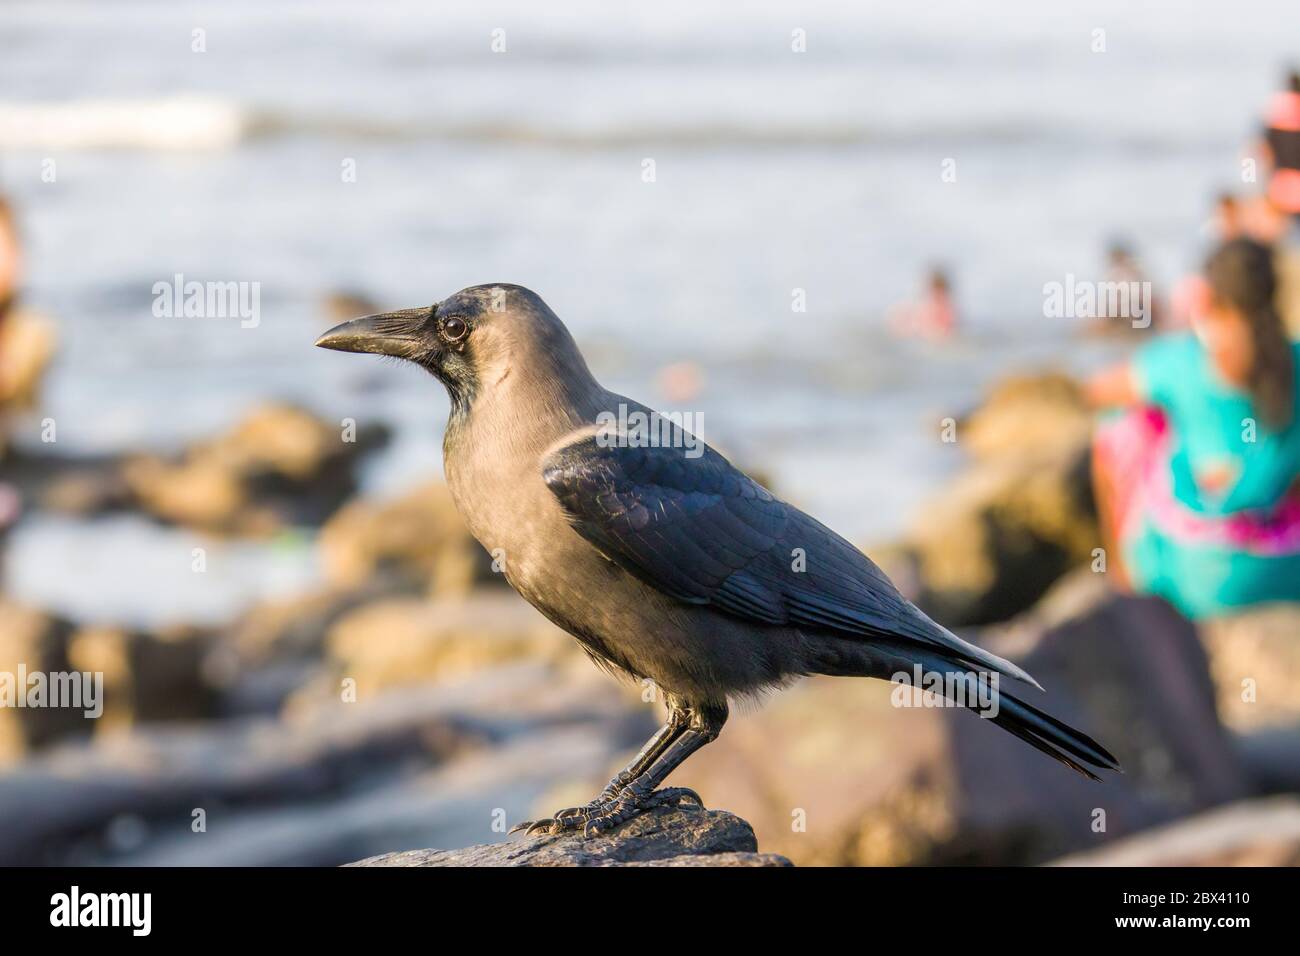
{"x": 520, "y": 411}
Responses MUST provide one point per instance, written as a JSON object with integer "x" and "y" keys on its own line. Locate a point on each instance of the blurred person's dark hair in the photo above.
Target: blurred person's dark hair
{"x": 1242, "y": 278}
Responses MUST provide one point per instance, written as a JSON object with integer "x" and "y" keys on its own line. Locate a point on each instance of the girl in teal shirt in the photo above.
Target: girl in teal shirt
{"x": 1197, "y": 482}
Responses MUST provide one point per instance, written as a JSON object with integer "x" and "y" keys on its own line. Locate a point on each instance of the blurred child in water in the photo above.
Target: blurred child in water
{"x": 933, "y": 317}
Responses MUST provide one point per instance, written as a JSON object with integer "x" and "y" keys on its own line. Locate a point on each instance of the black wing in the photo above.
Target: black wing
{"x": 703, "y": 532}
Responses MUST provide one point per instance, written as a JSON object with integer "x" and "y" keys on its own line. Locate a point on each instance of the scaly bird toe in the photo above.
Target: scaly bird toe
{"x": 529, "y": 827}
{"x": 632, "y": 803}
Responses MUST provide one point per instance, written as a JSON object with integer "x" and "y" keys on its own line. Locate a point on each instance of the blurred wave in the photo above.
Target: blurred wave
{"x": 196, "y": 122}
{"x": 180, "y": 122}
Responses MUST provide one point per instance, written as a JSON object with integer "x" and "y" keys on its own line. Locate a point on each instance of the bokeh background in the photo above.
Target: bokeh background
{"x": 325, "y": 561}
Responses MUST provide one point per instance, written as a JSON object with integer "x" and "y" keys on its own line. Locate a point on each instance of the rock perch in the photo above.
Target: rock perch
{"x": 680, "y": 836}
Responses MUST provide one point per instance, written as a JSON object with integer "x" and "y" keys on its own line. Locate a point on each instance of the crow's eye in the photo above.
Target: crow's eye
{"x": 454, "y": 329}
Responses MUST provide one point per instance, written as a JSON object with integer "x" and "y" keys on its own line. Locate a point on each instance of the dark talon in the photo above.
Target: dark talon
{"x": 531, "y": 826}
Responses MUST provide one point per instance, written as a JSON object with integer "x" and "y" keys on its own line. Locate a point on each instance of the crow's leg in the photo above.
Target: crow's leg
{"x": 574, "y": 817}
{"x": 682, "y": 723}
{"x": 640, "y": 794}
{"x": 674, "y": 726}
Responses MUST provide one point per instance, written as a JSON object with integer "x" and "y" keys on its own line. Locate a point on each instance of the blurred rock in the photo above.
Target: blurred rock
{"x": 277, "y": 648}
{"x": 1040, "y": 416}
{"x": 86, "y": 490}
{"x": 169, "y": 678}
{"x": 1271, "y": 756}
{"x": 419, "y": 535}
{"x": 145, "y": 677}
{"x": 341, "y": 305}
{"x": 278, "y": 466}
{"x": 999, "y": 536}
{"x": 686, "y": 836}
{"x": 198, "y": 493}
{"x": 33, "y": 641}
{"x": 831, "y": 772}
{"x": 1255, "y": 661}
{"x": 452, "y": 765}
{"x": 1016, "y": 520}
{"x": 1250, "y": 833}
{"x": 295, "y": 627}
{"x": 27, "y": 344}
{"x": 279, "y": 440}
{"x": 404, "y": 641}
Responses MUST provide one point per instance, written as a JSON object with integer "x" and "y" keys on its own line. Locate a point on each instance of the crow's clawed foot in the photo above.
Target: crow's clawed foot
{"x": 575, "y": 817}
{"x": 609, "y": 811}
{"x": 633, "y": 801}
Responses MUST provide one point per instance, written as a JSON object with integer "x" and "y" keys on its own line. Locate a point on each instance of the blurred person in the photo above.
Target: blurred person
{"x": 680, "y": 382}
{"x": 10, "y": 260}
{"x": 1274, "y": 217}
{"x": 1282, "y": 148}
{"x": 10, "y": 270}
{"x": 933, "y": 317}
{"x": 1271, "y": 225}
{"x": 27, "y": 344}
{"x": 1227, "y": 217}
{"x": 27, "y": 340}
{"x": 1264, "y": 221}
{"x": 1190, "y": 298}
{"x": 1191, "y": 294}
{"x": 1197, "y": 482}
{"x": 1134, "y": 312}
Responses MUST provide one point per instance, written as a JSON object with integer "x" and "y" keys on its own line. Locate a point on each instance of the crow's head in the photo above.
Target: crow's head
{"x": 471, "y": 341}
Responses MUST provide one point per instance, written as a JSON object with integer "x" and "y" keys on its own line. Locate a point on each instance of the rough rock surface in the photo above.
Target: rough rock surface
{"x": 684, "y": 836}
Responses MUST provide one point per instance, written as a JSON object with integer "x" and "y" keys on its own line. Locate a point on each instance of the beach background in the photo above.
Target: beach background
{"x": 775, "y": 171}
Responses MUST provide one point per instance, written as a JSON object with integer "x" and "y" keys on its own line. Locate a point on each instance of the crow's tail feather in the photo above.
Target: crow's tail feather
{"x": 1053, "y": 737}
{"x": 1076, "y": 750}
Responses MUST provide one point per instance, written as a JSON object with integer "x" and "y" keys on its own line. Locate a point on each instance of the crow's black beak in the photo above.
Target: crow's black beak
{"x": 392, "y": 333}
